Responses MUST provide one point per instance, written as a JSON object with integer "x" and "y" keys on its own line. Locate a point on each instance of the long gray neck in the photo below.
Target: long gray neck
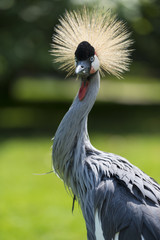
{"x": 71, "y": 137}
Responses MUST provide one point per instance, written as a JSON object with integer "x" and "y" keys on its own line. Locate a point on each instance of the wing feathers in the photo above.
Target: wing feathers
{"x": 120, "y": 212}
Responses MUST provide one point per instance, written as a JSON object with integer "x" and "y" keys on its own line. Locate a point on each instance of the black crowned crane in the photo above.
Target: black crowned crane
{"x": 118, "y": 200}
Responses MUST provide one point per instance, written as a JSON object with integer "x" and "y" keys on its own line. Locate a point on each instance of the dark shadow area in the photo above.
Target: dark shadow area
{"x": 35, "y": 119}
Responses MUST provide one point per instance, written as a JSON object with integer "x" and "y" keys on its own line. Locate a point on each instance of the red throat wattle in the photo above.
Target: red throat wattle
{"x": 83, "y": 90}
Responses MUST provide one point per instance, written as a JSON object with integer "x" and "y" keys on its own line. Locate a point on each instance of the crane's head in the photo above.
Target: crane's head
{"x": 95, "y": 39}
{"x": 87, "y": 63}
{"x": 86, "y": 60}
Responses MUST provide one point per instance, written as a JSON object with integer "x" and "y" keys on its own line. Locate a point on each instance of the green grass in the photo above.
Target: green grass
{"x": 37, "y": 207}
{"x": 34, "y": 207}
{"x": 129, "y": 90}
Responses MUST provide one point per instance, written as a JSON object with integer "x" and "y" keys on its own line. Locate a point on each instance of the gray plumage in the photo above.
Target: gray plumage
{"x": 126, "y": 199}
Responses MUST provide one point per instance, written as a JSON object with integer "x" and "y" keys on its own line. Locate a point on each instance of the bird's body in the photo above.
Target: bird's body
{"x": 118, "y": 200}
{"x": 125, "y": 199}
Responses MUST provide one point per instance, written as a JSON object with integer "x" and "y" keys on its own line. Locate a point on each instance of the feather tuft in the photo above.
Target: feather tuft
{"x": 102, "y": 30}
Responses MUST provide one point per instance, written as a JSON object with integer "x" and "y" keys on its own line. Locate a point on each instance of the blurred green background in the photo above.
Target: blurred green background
{"x": 34, "y": 96}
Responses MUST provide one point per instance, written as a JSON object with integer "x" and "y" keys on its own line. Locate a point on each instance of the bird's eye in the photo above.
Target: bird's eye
{"x": 92, "y": 59}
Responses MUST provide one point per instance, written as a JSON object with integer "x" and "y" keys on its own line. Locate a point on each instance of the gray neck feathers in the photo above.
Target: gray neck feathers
{"x": 71, "y": 138}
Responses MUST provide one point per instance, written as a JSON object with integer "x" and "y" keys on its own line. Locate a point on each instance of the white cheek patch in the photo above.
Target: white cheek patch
{"x": 95, "y": 64}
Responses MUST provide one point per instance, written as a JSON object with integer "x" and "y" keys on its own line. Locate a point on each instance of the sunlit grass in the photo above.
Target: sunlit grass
{"x": 38, "y": 207}
{"x": 32, "y": 206}
{"x": 128, "y": 90}
{"x": 44, "y": 89}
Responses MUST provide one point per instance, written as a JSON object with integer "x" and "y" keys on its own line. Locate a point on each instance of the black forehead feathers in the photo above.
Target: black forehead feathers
{"x": 84, "y": 51}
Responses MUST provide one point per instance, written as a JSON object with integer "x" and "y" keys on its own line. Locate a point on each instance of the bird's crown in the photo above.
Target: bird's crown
{"x": 84, "y": 51}
{"x": 83, "y": 33}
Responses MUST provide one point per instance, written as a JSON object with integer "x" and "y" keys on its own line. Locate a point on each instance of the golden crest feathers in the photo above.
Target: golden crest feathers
{"x": 102, "y": 30}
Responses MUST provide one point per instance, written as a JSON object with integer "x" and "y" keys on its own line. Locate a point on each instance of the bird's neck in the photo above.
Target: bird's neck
{"x": 71, "y": 137}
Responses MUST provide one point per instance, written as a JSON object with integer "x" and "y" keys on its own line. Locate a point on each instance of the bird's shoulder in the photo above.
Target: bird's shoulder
{"x": 107, "y": 166}
{"x": 127, "y": 200}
